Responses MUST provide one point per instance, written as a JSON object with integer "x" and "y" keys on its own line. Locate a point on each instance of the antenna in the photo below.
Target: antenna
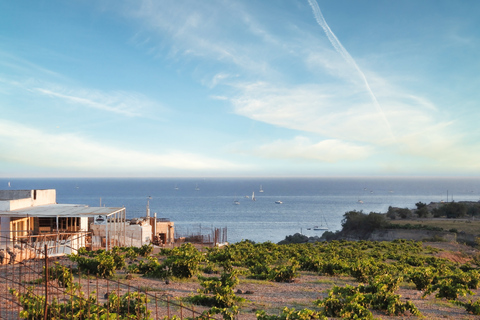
{"x": 148, "y": 206}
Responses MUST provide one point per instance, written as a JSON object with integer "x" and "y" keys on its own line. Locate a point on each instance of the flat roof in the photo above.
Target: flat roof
{"x": 61, "y": 210}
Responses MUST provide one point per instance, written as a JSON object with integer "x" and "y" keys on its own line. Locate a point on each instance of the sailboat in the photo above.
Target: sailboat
{"x": 261, "y": 189}
{"x": 322, "y": 227}
{"x": 253, "y": 196}
{"x": 196, "y": 187}
{"x": 235, "y": 201}
{"x": 176, "y": 187}
{"x": 9, "y": 184}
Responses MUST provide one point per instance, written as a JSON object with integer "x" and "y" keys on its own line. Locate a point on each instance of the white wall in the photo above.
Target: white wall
{"x": 83, "y": 224}
{"x": 20, "y": 199}
{"x": 4, "y": 205}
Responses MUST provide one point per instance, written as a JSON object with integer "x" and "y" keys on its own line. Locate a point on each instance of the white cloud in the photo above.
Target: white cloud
{"x": 347, "y": 121}
{"x": 303, "y": 148}
{"x": 126, "y": 103}
{"x": 24, "y": 145}
{"x": 218, "y": 78}
{"x": 203, "y": 30}
{"x": 130, "y": 104}
{"x": 20, "y": 65}
{"x": 313, "y": 108}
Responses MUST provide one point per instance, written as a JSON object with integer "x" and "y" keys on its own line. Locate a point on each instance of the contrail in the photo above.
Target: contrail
{"x": 348, "y": 58}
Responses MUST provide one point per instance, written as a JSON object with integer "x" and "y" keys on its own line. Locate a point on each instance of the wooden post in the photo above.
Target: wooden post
{"x": 45, "y": 310}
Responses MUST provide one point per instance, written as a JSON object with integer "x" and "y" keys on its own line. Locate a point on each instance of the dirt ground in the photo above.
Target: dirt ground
{"x": 309, "y": 286}
{"x": 262, "y": 295}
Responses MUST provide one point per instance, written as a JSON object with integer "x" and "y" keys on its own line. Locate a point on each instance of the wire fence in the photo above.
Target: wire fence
{"x": 29, "y": 290}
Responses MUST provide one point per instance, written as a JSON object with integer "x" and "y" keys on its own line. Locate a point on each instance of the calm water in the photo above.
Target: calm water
{"x": 306, "y": 202}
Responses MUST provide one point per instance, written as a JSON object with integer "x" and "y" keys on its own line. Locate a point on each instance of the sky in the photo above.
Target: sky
{"x": 239, "y": 88}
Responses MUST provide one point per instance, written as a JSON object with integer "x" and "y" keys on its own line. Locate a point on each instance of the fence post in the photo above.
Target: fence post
{"x": 45, "y": 311}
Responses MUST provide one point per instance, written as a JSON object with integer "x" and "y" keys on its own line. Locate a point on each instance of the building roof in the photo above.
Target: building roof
{"x": 61, "y": 210}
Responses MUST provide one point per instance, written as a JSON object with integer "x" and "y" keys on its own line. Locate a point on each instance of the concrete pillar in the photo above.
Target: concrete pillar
{"x": 5, "y": 232}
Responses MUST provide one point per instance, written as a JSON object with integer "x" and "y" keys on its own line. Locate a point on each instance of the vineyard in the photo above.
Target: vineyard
{"x": 337, "y": 279}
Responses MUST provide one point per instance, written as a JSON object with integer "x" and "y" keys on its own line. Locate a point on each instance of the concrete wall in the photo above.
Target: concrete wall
{"x": 4, "y": 205}
{"x": 19, "y": 199}
{"x": 416, "y": 235}
{"x": 4, "y": 231}
{"x": 15, "y": 194}
{"x": 163, "y": 227}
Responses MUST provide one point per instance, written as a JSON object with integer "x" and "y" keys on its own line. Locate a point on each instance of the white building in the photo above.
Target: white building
{"x": 33, "y": 218}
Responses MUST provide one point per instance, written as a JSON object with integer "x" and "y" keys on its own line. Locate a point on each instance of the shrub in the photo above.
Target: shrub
{"x": 184, "y": 261}
{"x": 283, "y": 273}
{"x": 291, "y": 314}
{"x": 471, "y": 307}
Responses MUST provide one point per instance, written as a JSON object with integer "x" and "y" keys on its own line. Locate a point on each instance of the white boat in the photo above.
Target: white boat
{"x": 322, "y": 227}
{"x": 235, "y": 200}
{"x": 261, "y": 189}
{"x": 9, "y": 184}
{"x": 196, "y": 187}
{"x": 278, "y": 202}
{"x": 253, "y": 196}
{"x": 176, "y": 187}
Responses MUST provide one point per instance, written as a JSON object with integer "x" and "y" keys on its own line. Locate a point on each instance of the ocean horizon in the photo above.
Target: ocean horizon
{"x": 199, "y": 204}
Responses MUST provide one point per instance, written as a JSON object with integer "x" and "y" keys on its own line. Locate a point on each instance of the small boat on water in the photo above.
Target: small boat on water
{"x": 321, "y": 227}
{"x": 253, "y": 196}
{"x": 235, "y": 201}
{"x": 261, "y": 189}
{"x": 196, "y": 187}
{"x": 278, "y": 202}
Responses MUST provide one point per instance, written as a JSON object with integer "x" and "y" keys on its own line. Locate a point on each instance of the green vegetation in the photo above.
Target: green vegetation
{"x": 375, "y": 272}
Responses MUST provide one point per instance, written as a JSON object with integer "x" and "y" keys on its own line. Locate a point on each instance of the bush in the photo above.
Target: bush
{"x": 103, "y": 264}
{"x": 291, "y": 314}
{"x": 184, "y": 261}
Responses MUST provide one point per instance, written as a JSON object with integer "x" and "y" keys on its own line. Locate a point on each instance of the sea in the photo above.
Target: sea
{"x": 199, "y": 205}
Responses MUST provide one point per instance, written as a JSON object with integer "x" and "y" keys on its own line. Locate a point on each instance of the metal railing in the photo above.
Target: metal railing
{"x": 28, "y": 278}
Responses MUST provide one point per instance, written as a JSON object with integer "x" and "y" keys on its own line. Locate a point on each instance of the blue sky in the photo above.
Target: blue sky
{"x": 239, "y": 88}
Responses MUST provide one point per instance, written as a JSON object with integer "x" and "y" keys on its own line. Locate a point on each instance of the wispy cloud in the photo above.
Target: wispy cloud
{"x": 130, "y": 104}
{"x": 312, "y": 108}
{"x": 303, "y": 148}
{"x": 20, "y": 65}
{"x": 217, "y": 79}
{"x": 339, "y": 102}
{"x": 348, "y": 58}
{"x": 19, "y": 143}
{"x": 126, "y": 103}
{"x": 280, "y": 72}
{"x": 202, "y": 31}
